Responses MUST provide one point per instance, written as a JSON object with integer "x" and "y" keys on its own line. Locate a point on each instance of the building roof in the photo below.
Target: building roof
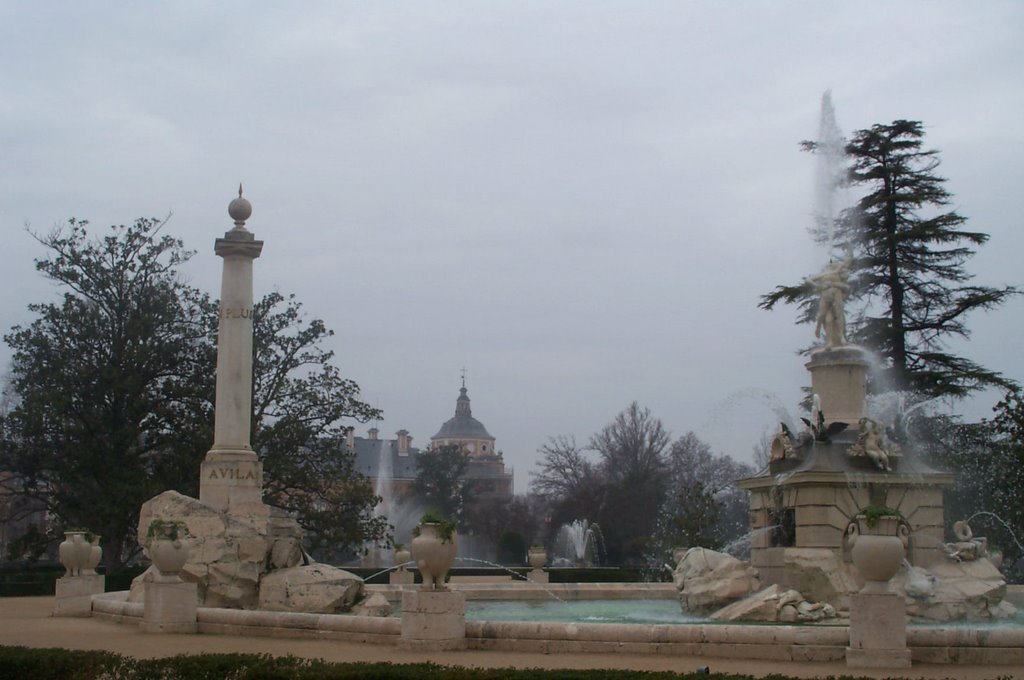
{"x": 368, "y": 458}
{"x": 463, "y": 425}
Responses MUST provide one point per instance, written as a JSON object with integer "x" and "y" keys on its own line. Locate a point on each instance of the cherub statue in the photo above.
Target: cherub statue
{"x": 873, "y": 443}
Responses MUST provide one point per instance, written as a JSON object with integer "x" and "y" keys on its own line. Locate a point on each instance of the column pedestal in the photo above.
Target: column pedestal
{"x": 538, "y": 576}
{"x": 232, "y": 481}
{"x": 169, "y": 607}
{"x": 878, "y": 631}
{"x": 74, "y": 594}
{"x": 840, "y": 379}
{"x": 433, "y": 620}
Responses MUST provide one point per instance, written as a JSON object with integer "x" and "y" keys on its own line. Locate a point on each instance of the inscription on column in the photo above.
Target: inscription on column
{"x": 236, "y": 313}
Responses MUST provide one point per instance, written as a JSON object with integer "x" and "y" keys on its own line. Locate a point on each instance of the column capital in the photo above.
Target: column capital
{"x": 236, "y": 243}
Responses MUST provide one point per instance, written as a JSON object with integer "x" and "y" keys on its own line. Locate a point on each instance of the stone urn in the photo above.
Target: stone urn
{"x": 877, "y": 547}
{"x": 537, "y": 556}
{"x": 167, "y": 548}
{"x": 74, "y": 552}
{"x": 402, "y": 556}
{"x": 95, "y": 555}
{"x": 434, "y": 550}
{"x": 169, "y": 556}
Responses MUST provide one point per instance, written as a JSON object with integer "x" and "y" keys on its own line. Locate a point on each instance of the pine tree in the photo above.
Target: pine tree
{"x": 908, "y": 273}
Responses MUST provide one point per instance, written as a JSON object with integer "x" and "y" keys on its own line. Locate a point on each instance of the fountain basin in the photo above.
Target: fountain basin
{"x": 932, "y": 644}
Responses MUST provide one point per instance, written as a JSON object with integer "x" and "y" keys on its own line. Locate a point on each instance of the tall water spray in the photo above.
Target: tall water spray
{"x": 829, "y": 175}
{"x": 385, "y": 476}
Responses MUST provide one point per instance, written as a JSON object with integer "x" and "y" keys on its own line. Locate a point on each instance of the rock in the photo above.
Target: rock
{"x": 820, "y": 575}
{"x": 228, "y": 554}
{"x": 313, "y": 588}
{"x": 286, "y": 552}
{"x": 708, "y": 580}
{"x": 374, "y": 605}
{"x": 763, "y": 605}
{"x": 773, "y": 604}
{"x": 971, "y": 590}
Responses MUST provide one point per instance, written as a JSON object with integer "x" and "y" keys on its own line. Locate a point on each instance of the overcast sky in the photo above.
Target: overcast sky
{"x": 580, "y": 202}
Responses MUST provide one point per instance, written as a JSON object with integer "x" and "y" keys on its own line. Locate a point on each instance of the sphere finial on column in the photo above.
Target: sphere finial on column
{"x": 240, "y": 210}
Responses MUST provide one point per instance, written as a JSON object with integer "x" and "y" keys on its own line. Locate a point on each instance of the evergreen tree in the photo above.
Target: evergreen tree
{"x": 908, "y": 272}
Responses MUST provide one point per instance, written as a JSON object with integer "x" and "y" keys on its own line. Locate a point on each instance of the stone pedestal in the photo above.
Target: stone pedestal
{"x": 402, "y": 577}
{"x": 74, "y": 594}
{"x": 169, "y": 607}
{"x": 433, "y": 620}
{"x": 840, "y": 378}
{"x": 538, "y": 576}
{"x": 232, "y": 481}
{"x": 878, "y": 632}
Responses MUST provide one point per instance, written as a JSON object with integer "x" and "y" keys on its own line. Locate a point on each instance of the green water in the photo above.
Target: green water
{"x": 583, "y": 611}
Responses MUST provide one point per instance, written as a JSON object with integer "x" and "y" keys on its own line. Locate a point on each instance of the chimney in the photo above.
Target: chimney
{"x": 373, "y": 433}
{"x": 404, "y": 440}
{"x": 350, "y": 439}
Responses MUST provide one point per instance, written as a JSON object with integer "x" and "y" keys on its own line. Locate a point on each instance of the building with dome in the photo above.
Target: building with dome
{"x": 396, "y": 459}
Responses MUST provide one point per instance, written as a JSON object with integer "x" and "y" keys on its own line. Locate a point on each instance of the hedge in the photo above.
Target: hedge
{"x": 63, "y": 664}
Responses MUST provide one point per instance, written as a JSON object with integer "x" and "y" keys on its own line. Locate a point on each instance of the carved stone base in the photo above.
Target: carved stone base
{"x": 169, "y": 608}
{"x": 433, "y": 620}
{"x": 538, "y": 576}
{"x": 878, "y": 631}
{"x": 74, "y": 594}
{"x": 232, "y": 481}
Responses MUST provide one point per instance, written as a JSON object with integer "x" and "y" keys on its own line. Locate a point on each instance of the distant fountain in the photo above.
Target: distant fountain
{"x": 580, "y": 542}
{"x": 377, "y": 556}
{"x": 385, "y": 480}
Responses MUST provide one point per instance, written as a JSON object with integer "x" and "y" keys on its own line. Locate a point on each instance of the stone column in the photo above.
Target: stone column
{"x": 839, "y": 378}
{"x": 231, "y": 477}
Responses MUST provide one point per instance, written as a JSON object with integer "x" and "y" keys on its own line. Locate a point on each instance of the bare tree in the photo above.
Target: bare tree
{"x": 633, "y": 446}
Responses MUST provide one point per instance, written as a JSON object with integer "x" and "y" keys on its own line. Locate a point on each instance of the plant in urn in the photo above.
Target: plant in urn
{"x": 165, "y": 543}
{"x": 878, "y": 538}
{"x": 434, "y": 549}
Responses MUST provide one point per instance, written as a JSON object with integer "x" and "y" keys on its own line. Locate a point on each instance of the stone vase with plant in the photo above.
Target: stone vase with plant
{"x": 433, "y": 549}
{"x": 878, "y": 539}
{"x": 167, "y": 547}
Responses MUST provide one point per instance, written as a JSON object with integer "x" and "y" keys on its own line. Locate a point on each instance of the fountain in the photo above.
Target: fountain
{"x": 376, "y": 555}
{"x": 579, "y": 544}
{"x": 817, "y": 482}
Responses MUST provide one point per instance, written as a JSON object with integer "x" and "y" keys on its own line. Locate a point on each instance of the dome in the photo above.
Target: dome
{"x": 463, "y": 425}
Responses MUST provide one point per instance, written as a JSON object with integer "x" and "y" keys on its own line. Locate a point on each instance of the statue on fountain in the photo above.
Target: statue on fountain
{"x": 832, "y": 285}
{"x": 873, "y": 443}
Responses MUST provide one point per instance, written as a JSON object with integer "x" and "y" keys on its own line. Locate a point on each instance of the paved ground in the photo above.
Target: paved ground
{"x": 26, "y": 621}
